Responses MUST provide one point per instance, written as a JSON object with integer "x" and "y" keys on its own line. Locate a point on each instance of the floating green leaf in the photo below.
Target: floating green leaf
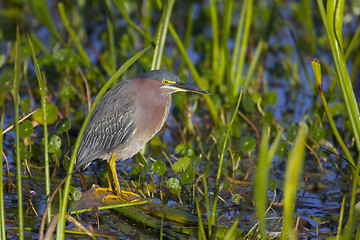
{"x": 26, "y": 129}
{"x": 65, "y": 58}
{"x": 282, "y": 149}
{"x": 54, "y": 143}
{"x": 187, "y": 176}
{"x": 155, "y": 142}
{"x": 291, "y": 132}
{"x": 270, "y": 98}
{"x": 158, "y": 167}
{"x": 221, "y": 143}
{"x": 51, "y": 114}
{"x": 23, "y": 153}
{"x": 41, "y": 11}
{"x": 248, "y": 104}
{"x": 25, "y": 105}
{"x": 247, "y": 144}
{"x": 181, "y": 164}
{"x": 318, "y": 133}
{"x": 6, "y": 77}
{"x": 184, "y": 149}
{"x": 63, "y": 125}
{"x": 174, "y": 185}
{"x": 226, "y": 185}
{"x": 196, "y": 162}
{"x": 268, "y": 118}
{"x": 75, "y": 193}
{"x": 273, "y": 184}
{"x": 66, "y": 93}
{"x": 236, "y": 198}
{"x": 145, "y": 169}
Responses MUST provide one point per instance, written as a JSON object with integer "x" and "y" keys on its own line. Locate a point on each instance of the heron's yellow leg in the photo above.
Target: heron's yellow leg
{"x": 112, "y": 165}
{"x": 110, "y": 178}
{"x": 122, "y": 195}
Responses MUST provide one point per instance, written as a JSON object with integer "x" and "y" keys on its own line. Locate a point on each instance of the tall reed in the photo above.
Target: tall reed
{"x": 15, "y": 93}
{"x": 46, "y": 141}
{"x": 2, "y": 209}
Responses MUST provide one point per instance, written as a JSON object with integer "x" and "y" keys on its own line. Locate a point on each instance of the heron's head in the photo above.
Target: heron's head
{"x": 170, "y": 82}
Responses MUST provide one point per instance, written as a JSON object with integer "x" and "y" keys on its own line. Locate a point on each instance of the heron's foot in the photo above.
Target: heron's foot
{"x": 123, "y": 196}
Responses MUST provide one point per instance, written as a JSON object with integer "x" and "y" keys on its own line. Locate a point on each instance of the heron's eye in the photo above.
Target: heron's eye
{"x": 166, "y": 82}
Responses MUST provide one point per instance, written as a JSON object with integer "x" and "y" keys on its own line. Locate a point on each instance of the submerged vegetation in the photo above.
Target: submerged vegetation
{"x": 271, "y": 153}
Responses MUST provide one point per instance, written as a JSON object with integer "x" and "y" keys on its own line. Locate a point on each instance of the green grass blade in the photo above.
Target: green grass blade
{"x": 215, "y": 38}
{"x": 15, "y": 93}
{"x": 293, "y": 172}
{"x": 248, "y": 6}
{"x": 207, "y": 203}
{"x": 189, "y": 29}
{"x": 46, "y": 142}
{"x": 225, "y": 60}
{"x": 42, "y": 12}
{"x": 201, "y": 231}
{"x": 253, "y": 64}
{"x": 161, "y": 37}
{"x": 72, "y": 34}
{"x": 307, "y": 6}
{"x": 2, "y": 210}
{"x": 261, "y": 180}
{"x": 231, "y": 231}
{"x": 112, "y": 51}
{"x": 317, "y": 72}
{"x": 332, "y": 19}
{"x": 341, "y": 217}
{"x": 298, "y": 50}
{"x": 238, "y": 37}
{"x": 121, "y": 6}
{"x": 60, "y": 234}
{"x": 343, "y": 76}
{"x": 262, "y": 176}
{"x": 198, "y": 81}
{"x": 353, "y": 43}
{"x": 218, "y": 175}
{"x": 259, "y": 49}
{"x": 335, "y": 16}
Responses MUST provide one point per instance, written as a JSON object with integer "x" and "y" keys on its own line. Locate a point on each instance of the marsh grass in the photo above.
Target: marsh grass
{"x": 2, "y": 207}
{"x": 15, "y": 93}
{"x": 215, "y": 149}
{"x": 44, "y": 118}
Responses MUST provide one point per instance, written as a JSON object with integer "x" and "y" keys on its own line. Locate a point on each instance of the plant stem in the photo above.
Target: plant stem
{"x": 2, "y": 210}
{"x": 46, "y": 142}
{"x": 218, "y": 175}
{"x": 161, "y": 37}
{"x": 17, "y": 150}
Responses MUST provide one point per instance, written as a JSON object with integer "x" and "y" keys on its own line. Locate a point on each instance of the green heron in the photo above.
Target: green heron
{"x": 127, "y": 117}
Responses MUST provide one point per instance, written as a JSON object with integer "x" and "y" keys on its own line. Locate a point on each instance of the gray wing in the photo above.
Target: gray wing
{"x": 110, "y": 124}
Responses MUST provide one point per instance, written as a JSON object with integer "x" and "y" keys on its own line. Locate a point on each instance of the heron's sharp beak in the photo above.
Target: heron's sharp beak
{"x": 184, "y": 87}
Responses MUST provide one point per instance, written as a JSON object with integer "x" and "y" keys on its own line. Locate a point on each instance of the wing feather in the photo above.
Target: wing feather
{"x": 110, "y": 125}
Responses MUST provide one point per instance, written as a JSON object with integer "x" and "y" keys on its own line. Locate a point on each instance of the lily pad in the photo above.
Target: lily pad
{"x": 182, "y": 164}
{"x": 158, "y": 167}
{"x": 187, "y": 176}
{"x": 174, "y": 185}
{"x": 63, "y": 125}
{"x": 26, "y": 129}
{"x": 25, "y": 105}
{"x": 51, "y": 114}
{"x": 247, "y": 144}
{"x": 54, "y": 143}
